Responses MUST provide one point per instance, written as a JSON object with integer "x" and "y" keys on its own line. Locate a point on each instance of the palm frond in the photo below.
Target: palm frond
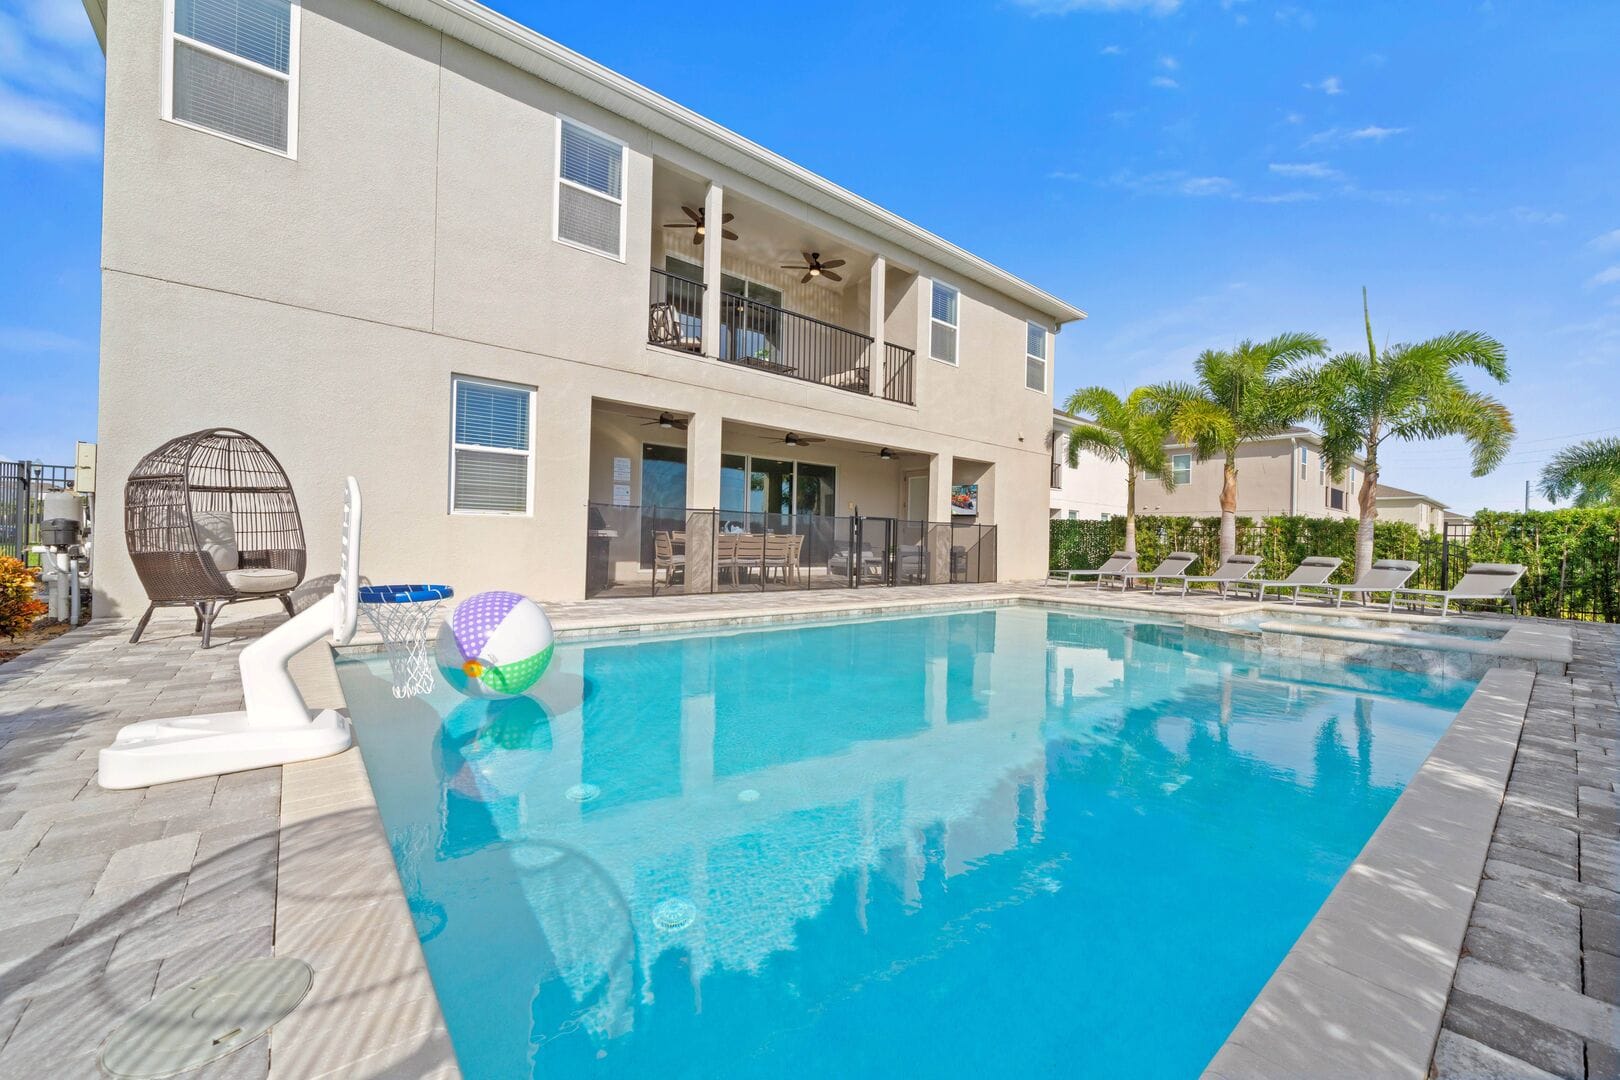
{"x": 1589, "y": 470}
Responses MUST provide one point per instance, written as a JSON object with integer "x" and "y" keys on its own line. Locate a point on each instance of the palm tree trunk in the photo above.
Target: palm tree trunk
{"x": 1229, "y": 508}
{"x": 1367, "y": 500}
{"x": 1130, "y": 510}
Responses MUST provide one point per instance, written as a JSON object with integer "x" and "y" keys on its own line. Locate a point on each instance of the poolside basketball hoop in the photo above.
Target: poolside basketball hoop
{"x": 402, "y": 615}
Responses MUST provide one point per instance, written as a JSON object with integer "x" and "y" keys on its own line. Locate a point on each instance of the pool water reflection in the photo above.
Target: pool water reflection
{"x": 982, "y": 842}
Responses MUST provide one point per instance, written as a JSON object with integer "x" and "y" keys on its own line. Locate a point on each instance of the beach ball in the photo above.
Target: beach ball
{"x": 495, "y": 645}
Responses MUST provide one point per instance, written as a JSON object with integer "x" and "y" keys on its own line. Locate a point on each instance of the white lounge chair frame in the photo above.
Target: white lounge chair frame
{"x": 1118, "y": 565}
{"x": 1231, "y": 572}
{"x": 1313, "y": 571}
{"x": 1488, "y": 583}
{"x": 1384, "y": 576}
{"x": 1175, "y": 565}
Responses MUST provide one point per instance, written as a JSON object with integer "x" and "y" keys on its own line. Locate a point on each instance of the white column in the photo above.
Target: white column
{"x": 877, "y": 301}
{"x": 702, "y": 495}
{"x": 940, "y": 469}
{"x": 713, "y": 214}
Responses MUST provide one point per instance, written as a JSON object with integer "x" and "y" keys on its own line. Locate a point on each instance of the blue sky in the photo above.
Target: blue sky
{"x": 1190, "y": 173}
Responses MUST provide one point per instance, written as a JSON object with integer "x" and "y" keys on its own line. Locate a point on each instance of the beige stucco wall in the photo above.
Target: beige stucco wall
{"x": 324, "y": 304}
{"x": 1269, "y": 484}
{"x": 1419, "y": 513}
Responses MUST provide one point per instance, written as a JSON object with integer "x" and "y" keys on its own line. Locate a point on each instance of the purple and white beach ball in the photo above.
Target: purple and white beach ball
{"x": 495, "y": 645}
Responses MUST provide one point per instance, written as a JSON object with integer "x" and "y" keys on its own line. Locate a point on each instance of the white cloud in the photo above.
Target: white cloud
{"x": 1330, "y": 85}
{"x": 24, "y": 339}
{"x": 1312, "y": 170}
{"x": 1293, "y": 118}
{"x": 1069, "y": 7}
{"x": 40, "y": 127}
{"x": 1302, "y": 19}
{"x": 1172, "y": 182}
{"x": 1164, "y": 82}
{"x": 1529, "y": 215}
{"x": 1169, "y": 63}
{"x": 1284, "y": 197}
{"x": 1112, "y": 50}
{"x": 1606, "y": 277}
{"x": 1608, "y": 241}
{"x": 1338, "y": 136}
{"x": 50, "y": 81}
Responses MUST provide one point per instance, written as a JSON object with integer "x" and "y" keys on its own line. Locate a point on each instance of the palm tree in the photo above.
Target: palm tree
{"x": 1588, "y": 470}
{"x": 1407, "y": 392}
{"x": 1131, "y": 430}
{"x": 1243, "y": 393}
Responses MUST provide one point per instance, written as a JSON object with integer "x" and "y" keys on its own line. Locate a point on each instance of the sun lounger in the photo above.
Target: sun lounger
{"x": 1175, "y": 565}
{"x": 1231, "y": 571}
{"x": 1118, "y": 564}
{"x": 1490, "y": 583}
{"x": 1313, "y": 571}
{"x": 1384, "y": 576}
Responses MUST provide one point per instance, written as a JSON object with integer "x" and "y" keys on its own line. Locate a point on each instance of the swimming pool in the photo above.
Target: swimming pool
{"x": 982, "y": 842}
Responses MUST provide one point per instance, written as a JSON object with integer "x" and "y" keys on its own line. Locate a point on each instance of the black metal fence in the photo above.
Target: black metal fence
{"x": 675, "y": 318}
{"x": 650, "y": 550}
{"x": 786, "y": 343}
{"x": 23, "y": 485}
{"x": 1571, "y": 559}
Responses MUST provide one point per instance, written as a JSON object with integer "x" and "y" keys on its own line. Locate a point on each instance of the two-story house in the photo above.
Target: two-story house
{"x": 1094, "y": 489}
{"x": 523, "y": 299}
{"x": 1282, "y": 474}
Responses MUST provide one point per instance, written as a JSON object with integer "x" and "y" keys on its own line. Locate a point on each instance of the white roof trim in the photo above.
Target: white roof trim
{"x": 493, "y": 33}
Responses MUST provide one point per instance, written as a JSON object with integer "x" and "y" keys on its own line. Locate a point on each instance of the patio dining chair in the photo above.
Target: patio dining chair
{"x": 725, "y": 555}
{"x": 749, "y": 554}
{"x": 782, "y": 555}
{"x": 1489, "y": 583}
{"x": 667, "y": 559}
{"x": 1232, "y": 571}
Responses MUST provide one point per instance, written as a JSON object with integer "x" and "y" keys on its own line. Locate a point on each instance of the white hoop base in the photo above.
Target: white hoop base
{"x": 276, "y": 728}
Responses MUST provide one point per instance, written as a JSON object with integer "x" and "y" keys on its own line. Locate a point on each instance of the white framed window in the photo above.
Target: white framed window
{"x": 1035, "y": 358}
{"x": 590, "y": 189}
{"x": 1321, "y": 469}
{"x": 1351, "y": 487}
{"x": 230, "y": 67}
{"x": 1074, "y": 515}
{"x": 492, "y": 447}
{"x": 943, "y": 323}
{"x": 1181, "y": 468}
{"x": 1304, "y": 460}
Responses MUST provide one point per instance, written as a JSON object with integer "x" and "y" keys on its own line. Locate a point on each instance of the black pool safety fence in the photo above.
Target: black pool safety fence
{"x": 655, "y": 550}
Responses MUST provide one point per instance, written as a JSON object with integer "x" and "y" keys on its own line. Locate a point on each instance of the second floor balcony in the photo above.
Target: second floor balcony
{"x": 768, "y": 337}
{"x": 793, "y": 300}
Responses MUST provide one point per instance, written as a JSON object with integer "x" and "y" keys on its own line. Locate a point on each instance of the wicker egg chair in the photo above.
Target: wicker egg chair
{"x": 210, "y": 519}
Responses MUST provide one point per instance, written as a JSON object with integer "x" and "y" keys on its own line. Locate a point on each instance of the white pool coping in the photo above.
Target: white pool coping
{"x": 1362, "y": 991}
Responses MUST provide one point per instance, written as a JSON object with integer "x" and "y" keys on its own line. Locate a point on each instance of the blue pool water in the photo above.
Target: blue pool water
{"x": 981, "y": 843}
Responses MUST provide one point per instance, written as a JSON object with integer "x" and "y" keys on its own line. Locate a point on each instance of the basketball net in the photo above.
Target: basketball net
{"x": 404, "y": 630}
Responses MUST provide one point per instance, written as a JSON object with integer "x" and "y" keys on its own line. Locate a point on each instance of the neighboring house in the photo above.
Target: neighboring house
{"x": 415, "y": 241}
{"x": 1283, "y": 474}
{"x": 1398, "y": 504}
{"x": 1094, "y": 490}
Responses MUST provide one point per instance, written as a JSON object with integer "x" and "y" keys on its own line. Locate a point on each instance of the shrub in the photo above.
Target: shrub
{"x": 18, "y": 605}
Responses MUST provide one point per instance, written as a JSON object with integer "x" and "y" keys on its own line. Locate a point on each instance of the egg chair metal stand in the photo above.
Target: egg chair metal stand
{"x": 211, "y": 520}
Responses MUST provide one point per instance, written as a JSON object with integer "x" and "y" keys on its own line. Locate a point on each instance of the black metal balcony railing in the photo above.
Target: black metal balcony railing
{"x": 786, "y": 343}
{"x": 773, "y": 339}
{"x": 900, "y": 373}
{"x": 675, "y": 319}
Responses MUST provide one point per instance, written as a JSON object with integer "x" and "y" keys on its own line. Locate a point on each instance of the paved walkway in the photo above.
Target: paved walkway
{"x": 1537, "y": 991}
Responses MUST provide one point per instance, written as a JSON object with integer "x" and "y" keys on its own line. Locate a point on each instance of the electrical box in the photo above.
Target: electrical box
{"x": 84, "y": 469}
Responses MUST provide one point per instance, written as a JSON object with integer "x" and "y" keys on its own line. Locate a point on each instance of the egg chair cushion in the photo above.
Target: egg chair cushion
{"x": 218, "y": 537}
{"x": 261, "y": 580}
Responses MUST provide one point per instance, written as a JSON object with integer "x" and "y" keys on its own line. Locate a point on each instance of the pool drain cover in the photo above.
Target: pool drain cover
{"x": 582, "y": 793}
{"x": 206, "y": 1019}
{"x": 674, "y": 915}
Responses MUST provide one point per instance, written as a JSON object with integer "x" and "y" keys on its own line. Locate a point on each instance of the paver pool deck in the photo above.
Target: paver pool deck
{"x": 109, "y": 897}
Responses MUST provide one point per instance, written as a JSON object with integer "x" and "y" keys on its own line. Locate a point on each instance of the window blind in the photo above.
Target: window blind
{"x": 256, "y": 30}
{"x": 488, "y": 415}
{"x": 229, "y": 98}
{"x": 492, "y": 483}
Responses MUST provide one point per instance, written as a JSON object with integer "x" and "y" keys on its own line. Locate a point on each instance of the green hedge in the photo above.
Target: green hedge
{"x": 1572, "y": 556}
{"x": 1282, "y": 542}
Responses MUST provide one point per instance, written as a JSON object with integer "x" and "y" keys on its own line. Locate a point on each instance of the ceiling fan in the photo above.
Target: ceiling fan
{"x": 814, "y": 267}
{"x": 792, "y": 440}
{"x": 668, "y": 420}
{"x": 886, "y": 454}
{"x": 698, "y": 226}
